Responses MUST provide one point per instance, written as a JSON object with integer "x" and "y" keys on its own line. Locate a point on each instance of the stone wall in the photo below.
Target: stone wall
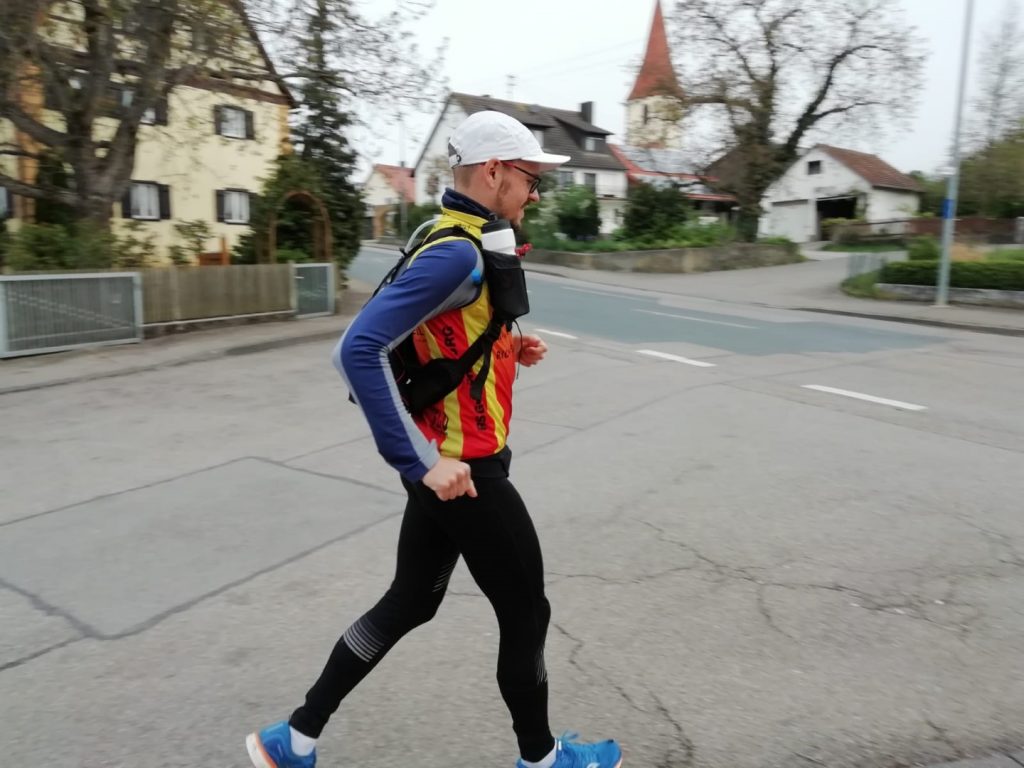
{"x": 677, "y": 260}
{"x": 977, "y": 296}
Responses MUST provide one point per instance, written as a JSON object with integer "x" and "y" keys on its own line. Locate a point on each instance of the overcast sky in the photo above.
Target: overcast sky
{"x": 563, "y": 52}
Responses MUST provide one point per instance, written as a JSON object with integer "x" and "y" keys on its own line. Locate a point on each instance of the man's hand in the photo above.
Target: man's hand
{"x": 449, "y": 479}
{"x": 530, "y": 350}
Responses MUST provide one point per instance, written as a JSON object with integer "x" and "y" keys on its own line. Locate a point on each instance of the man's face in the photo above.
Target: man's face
{"x": 517, "y": 189}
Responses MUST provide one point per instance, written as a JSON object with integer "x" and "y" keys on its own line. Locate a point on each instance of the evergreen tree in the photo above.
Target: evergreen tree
{"x": 320, "y": 136}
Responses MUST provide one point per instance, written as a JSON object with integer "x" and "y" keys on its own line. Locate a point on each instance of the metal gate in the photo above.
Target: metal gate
{"x": 49, "y": 313}
{"x": 314, "y": 289}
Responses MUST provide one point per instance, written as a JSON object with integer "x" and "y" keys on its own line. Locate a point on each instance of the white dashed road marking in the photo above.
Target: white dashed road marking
{"x": 675, "y": 358}
{"x": 556, "y": 333}
{"x": 868, "y": 398}
{"x": 694, "y": 319}
{"x": 605, "y": 294}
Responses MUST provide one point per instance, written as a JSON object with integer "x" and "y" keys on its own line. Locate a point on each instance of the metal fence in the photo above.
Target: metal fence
{"x": 862, "y": 263}
{"x": 314, "y": 289}
{"x": 49, "y": 313}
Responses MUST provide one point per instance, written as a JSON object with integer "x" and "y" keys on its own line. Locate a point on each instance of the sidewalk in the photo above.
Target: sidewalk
{"x": 38, "y": 372}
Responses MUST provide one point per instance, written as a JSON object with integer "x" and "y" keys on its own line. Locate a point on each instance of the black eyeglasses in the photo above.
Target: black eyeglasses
{"x": 534, "y": 178}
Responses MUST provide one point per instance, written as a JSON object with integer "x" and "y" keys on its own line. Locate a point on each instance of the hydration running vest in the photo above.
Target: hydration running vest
{"x": 423, "y": 384}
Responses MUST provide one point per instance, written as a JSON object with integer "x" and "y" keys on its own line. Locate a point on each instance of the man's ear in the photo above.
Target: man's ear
{"x": 491, "y": 172}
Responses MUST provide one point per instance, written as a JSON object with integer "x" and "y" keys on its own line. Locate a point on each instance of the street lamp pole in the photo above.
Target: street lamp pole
{"x": 401, "y": 182}
{"x": 953, "y": 186}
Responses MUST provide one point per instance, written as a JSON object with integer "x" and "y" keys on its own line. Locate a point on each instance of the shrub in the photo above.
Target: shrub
{"x": 39, "y": 247}
{"x": 5, "y": 242}
{"x": 862, "y": 286}
{"x": 414, "y": 216}
{"x": 285, "y": 255}
{"x": 134, "y": 249}
{"x": 577, "y": 212}
{"x": 831, "y": 228}
{"x": 653, "y": 212}
{"x": 997, "y": 275}
{"x": 923, "y": 248}
{"x": 195, "y": 234}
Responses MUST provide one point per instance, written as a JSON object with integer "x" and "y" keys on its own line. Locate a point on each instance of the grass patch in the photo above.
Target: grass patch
{"x": 863, "y": 247}
{"x": 861, "y": 286}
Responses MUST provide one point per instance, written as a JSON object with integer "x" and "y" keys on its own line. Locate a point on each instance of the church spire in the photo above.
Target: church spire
{"x": 657, "y": 76}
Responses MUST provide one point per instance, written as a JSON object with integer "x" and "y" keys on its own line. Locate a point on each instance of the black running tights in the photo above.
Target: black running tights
{"x": 495, "y": 535}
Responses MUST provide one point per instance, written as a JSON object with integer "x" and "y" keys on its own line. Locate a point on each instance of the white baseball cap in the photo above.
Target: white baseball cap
{"x": 489, "y": 134}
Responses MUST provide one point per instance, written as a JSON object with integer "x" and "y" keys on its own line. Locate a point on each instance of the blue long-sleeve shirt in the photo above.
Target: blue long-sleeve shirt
{"x": 441, "y": 277}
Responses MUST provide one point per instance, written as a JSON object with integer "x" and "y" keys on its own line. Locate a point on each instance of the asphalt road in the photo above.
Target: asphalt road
{"x": 771, "y": 540}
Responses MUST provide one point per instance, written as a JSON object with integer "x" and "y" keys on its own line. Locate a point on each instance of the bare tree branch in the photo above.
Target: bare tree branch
{"x": 38, "y": 191}
{"x": 771, "y": 72}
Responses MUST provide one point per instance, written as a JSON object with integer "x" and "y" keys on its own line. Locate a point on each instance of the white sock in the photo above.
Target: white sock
{"x": 546, "y": 762}
{"x": 302, "y": 745}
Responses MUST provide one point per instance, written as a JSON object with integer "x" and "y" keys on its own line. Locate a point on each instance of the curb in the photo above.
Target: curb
{"x": 991, "y": 329}
{"x": 202, "y": 357}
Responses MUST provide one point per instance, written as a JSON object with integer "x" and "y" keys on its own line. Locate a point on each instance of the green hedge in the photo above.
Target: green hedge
{"x": 999, "y": 275}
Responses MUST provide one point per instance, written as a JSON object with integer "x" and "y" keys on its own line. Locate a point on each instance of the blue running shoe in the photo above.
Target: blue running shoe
{"x": 603, "y": 754}
{"x": 272, "y": 748}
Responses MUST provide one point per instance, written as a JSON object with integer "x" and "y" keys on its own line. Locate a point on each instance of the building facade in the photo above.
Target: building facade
{"x": 561, "y": 131}
{"x": 833, "y": 183}
{"x": 202, "y": 152}
{"x": 384, "y": 190}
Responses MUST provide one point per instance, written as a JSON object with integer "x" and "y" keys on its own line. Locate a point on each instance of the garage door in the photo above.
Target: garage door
{"x": 792, "y": 220}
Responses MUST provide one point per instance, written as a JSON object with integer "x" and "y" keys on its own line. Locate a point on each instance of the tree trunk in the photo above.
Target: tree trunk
{"x": 747, "y": 223}
{"x": 96, "y": 193}
{"x": 97, "y": 213}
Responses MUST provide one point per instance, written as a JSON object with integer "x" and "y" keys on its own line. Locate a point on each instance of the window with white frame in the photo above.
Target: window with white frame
{"x": 233, "y": 206}
{"x": 538, "y": 134}
{"x": 5, "y": 204}
{"x": 591, "y": 143}
{"x": 565, "y": 179}
{"x": 590, "y": 181}
{"x": 234, "y": 123}
{"x": 145, "y": 201}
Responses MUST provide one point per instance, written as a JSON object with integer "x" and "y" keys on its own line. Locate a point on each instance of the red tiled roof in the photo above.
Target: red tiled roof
{"x": 873, "y": 169}
{"x": 657, "y": 76}
{"x": 637, "y": 173}
{"x": 400, "y": 180}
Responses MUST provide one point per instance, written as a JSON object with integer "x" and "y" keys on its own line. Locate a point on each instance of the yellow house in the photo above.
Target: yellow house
{"x": 201, "y": 153}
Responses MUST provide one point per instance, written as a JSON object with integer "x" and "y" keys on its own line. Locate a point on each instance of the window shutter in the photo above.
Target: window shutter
{"x": 164, "y": 192}
{"x": 220, "y": 205}
{"x": 218, "y": 120}
{"x": 250, "y": 127}
{"x": 161, "y": 111}
{"x": 126, "y": 202}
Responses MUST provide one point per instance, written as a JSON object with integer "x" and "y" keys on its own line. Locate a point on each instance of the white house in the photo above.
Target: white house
{"x": 561, "y": 131}
{"x": 829, "y": 182}
{"x": 383, "y": 191}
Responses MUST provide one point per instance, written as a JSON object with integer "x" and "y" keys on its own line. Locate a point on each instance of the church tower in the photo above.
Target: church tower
{"x": 655, "y": 104}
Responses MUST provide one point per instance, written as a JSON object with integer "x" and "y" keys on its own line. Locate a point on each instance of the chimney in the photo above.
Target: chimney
{"x": 587, "y": 111}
